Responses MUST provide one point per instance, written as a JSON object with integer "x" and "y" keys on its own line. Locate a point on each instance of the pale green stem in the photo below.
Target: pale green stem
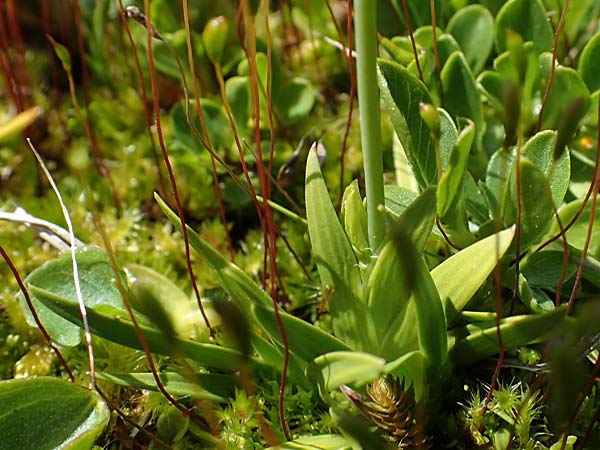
{"x": 365, "y": 21}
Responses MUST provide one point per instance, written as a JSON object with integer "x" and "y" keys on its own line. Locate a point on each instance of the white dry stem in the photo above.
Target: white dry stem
{"x": 52, "y": 233}
{"x": 73, "y": 244}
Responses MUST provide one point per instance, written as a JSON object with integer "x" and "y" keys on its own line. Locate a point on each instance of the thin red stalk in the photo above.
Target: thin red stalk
{"x": 163, "y": 148}
{"x": 595, "y": 185}
{"x": 12, "y": 86}
{"x": 270, "y": 102}
{"x": 446, "y": 237}
{"x": 588, "y": 237}
{"x": 438, "y": 65}
{"x": 270, "y": 230}
{"x": 499, "y": 302}
{"x": 119, "y": 284}
{"x": 565, "y": 262}
{"x": 197, "y": 95}
{"x": 412, "y": 39}
{"x": 23, "y": 84}
{"x": 352, "y": 95}
{"x": 148, "y": 117}
{"x": 34, "y": 314}
{"x": 559, "y": 28}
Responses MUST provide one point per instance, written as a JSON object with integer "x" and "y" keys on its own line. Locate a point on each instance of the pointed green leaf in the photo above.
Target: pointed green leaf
{"x": 402, "y": 92}
{"x": 429, "y": 313}
{"x": 460, "y": 276}
{"x": 321, "y": 442}
{"x": 354, "y": 216}
{"x": 308, "y": 340}
{"x": 209, "y": 386}
{"x": 331, "y": 370}
{"x": 114, "y": 325}
{"x": 516, "y": 331}
{"x": 48, "y": 414}
{"x": 336, "y": 263}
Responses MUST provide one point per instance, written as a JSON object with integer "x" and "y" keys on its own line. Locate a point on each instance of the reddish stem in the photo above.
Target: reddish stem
{"x": 34, "y": 314}
{"x": 412, "y": 39}
{"x": 198, "y": 105}
{"x": 163, "y": 148}
{"x": 148, "y": 117}
{"x": 559, "y": 27}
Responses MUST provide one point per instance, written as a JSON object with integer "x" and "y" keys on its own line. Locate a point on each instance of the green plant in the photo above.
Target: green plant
{"x": 420, "y": 280}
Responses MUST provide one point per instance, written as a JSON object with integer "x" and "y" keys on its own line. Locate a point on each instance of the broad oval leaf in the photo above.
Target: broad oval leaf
{"x": 577, "y": 233}
{"x": 402, "y": 92}
{"x": 48, "y": 413}
{"x": 461, "y": 96}
{"x": 528, "y": 19}
{"x": 567, "y": 86}
{"x": 97, "y": 288}
{"x": 539, "y": 150}
{"x": 535, "y": 201}
{"x": 473, "y": 29}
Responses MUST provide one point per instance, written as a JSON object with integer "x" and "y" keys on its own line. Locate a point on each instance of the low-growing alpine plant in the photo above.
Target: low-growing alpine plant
{"x": 447, "y": 300}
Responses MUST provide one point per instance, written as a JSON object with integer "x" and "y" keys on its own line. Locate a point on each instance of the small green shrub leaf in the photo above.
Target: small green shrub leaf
{"x": 402, "y": 93}
{"x": 47, "y": 413}
{"x": 577, "y": 234}
{"x": 461, "y": 97}
{"x": 528, "y": 19}
{"x": 535, "y": 200}
{"x": 539, "y": 150}
{"x": 567, "y": 86}
{"x": 473, "y": 29}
